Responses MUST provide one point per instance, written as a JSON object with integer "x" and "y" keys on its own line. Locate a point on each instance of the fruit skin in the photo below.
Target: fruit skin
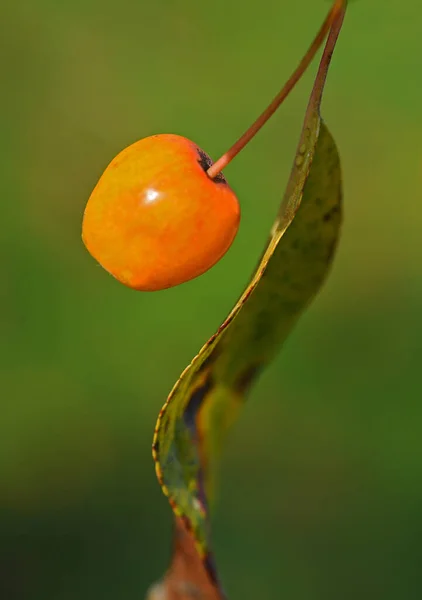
{"x": 155, "y": 219}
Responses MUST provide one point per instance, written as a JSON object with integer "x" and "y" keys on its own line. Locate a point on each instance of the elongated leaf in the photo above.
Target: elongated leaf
{"x": 210, "y": 392}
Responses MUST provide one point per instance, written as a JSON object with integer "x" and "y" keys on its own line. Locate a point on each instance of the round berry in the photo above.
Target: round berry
{"x": 155, "y": 218}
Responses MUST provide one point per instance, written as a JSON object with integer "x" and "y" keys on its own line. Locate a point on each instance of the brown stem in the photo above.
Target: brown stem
{"x": 338, "y": 7}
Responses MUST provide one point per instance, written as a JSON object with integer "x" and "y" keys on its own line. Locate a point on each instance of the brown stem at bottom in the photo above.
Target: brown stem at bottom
{"x": 186, "y": 578}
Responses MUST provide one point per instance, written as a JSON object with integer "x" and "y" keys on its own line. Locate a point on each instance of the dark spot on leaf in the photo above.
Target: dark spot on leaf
{"x": 246, "y": 378}
{"x": 209, "y": 361}
{"x": 195, "y": 402}
{"x": 330, "y": 214}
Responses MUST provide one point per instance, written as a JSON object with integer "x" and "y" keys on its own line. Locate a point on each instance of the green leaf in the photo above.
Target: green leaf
{"x": 207, "y": 398}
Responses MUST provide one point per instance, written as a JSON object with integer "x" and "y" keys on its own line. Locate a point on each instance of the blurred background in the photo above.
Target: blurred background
{"x": 321, "y": 486}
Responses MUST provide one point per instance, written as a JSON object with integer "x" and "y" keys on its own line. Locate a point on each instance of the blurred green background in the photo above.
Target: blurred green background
{"x": 321, "y": 487}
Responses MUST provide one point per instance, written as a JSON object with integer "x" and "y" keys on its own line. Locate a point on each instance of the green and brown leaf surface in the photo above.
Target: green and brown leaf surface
{"x": 206, "y": 400}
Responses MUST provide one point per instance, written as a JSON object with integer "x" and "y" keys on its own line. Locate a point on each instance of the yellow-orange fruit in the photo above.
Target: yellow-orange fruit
{"x": 155, "y": 219}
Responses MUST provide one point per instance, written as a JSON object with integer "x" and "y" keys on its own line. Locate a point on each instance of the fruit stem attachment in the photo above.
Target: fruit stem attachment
{"x": 338, "y": 7}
